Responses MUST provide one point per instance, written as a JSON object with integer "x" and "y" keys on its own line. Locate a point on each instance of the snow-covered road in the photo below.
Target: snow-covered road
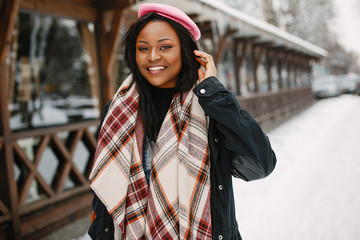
{"x": 314, "y": 192}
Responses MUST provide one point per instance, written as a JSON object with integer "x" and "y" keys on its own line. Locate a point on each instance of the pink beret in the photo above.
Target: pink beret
{"x": 172, "y": 13}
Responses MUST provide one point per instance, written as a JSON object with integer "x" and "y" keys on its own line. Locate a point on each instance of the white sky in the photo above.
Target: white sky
{"x": 347, "y": 24}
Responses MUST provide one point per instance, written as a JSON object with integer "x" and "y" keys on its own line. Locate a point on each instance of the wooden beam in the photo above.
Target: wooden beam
{"x": 289, "y": 67}
{"x": 194, "y": 17}
{"x": 32, "y": 171}
{"x": 270, "y": 57}
{"x": 264, "y": 46}
{"x": 78, "y": 10}
{"x": 108, "y": 26}
{"x": 28, "y": 209}
{"x": 239, "y": 56}
{"x": 39, "y": 225}
{"x": 305, "y": 61}
{"x": 8, "y": 13}
{"x": 247, "y": 46}
{"x": 222, "y": 45}
{"x": 279, "y": 68}
{"x": 258, "y": 52}
{"x": 9, "y": 189}
{"x": 204, "y": 27}
{"x": 89, "y": 41}
{"x": 102, "y": 5}
{"x": 29, "y": 179}
{"x": 4, "y": 210}
{"x": 67, "y": 165}
{"x": 90, "y": 143}
{"x": 237, "y": 66}
{"x": 246, "y": 38}
{"x": 278, "y": 48}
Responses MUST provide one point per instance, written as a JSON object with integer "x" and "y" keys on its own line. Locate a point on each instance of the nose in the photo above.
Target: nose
{"x": 153, "y": 55}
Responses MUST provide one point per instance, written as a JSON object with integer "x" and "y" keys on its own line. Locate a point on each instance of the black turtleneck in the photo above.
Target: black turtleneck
{"x": 162, "y": 99}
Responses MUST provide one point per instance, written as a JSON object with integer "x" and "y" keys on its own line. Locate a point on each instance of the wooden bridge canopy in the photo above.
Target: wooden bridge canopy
{"x": 268, "y": 68}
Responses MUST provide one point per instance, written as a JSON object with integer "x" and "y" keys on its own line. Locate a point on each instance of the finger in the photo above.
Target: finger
{"x": 201, "y": 74}
{"x": 201, "y": 61}
{"x": 207, "y": 57}
{"x": 206, "y": 60}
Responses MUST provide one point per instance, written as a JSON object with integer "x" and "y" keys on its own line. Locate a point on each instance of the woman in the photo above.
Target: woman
{"x": 171, "y": 139}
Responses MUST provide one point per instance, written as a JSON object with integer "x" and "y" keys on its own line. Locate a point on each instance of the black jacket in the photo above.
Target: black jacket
{"x": 238, "y": 147}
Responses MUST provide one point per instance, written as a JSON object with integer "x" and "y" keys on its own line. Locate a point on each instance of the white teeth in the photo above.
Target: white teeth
{"x": 156, "y": 68}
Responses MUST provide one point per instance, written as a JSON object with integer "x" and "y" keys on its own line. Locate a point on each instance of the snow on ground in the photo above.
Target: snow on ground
{"x": 313, "y": 193}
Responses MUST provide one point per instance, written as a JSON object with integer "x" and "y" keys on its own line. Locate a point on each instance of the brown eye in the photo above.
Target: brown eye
{"x": 165, "y": 47}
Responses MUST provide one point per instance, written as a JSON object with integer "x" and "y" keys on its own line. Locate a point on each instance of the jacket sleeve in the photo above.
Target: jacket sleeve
{"x": 101, "y": 226}
{"x": 253, "y": 157}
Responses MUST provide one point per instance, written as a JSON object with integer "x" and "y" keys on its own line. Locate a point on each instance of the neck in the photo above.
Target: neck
{"x": 162, "y": 99}
{"x": 162, "y": 93}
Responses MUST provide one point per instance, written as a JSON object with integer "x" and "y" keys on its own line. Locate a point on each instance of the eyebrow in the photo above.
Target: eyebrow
{"x": 160, "y": 40}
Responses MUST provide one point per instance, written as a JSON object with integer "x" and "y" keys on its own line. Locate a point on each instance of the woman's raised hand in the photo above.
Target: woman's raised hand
{"x": 206, "y": 60}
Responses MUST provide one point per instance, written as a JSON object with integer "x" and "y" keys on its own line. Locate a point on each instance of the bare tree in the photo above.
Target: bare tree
{"x": 311, "y": 20}
{"x": 307, "y": 19}
{"x": 269, "y": 12}
{"x": 339, "y": 60}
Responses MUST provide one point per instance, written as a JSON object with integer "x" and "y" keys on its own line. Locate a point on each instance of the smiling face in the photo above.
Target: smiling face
{"x": 158, "y": 54}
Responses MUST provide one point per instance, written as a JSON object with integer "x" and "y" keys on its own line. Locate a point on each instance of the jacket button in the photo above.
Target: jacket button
{"x": 202, "y": 91}
{"x": 216, "y": 140}
{"x": 220, "y": 187}
{"x": 220, "y": 237}
{"x": 106, "y": 229}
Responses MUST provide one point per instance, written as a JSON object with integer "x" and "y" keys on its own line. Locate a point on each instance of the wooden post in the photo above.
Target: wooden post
{"x": 309, "y": 69}
{"x": 258, "y": 51}
{"x": 89, "y": 40}
{"x": 289, "y": 68}
{"x": 304, "y": 69}
{"x": 8, "y": 14}
{"x": 238, "y": 62}
{"x": 296, "y": 69}
{"x": 280, "y": 56}
{"x": 7, "y": 178}
{"x": 242, "y": 46}
{"x": 222, "y": 45}
{"x": 270, "y": 55}
{"x": 108, "y": 28}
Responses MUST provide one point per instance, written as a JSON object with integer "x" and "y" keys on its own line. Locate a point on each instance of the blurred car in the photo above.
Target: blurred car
{"x": 327, "y": 86}
{"x": 349, "y": 83}
{"x": 358, "y": 88}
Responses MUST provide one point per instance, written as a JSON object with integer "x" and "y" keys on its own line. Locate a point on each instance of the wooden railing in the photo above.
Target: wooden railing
{"x": 265, "y": 107}
{"x": 53, "y": 200}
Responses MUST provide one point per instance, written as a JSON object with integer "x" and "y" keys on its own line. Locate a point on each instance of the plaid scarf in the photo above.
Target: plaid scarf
{"x": 176, "y": 203}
